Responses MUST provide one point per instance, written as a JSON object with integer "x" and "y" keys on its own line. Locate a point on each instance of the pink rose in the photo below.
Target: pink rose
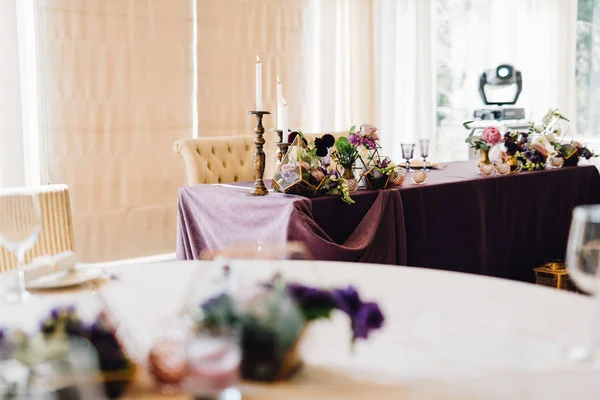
{"x": 369, "y": 131}
{"x": 317, "y": 174}
{"x": 541, "y": 149}
{"x": 491, "y": 135}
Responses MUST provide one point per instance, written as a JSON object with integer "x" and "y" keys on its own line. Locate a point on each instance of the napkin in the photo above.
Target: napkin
{"x": 49, "y": 265}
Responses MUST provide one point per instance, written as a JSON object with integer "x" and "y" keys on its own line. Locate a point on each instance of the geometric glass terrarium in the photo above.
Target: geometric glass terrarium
{"x": 299, "y": 172}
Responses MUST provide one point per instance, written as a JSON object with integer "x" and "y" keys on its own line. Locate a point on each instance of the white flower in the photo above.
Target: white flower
{"x": 551, "y": 137}
{"x": 541, "y": 141}
{"x": 497, "y": 153}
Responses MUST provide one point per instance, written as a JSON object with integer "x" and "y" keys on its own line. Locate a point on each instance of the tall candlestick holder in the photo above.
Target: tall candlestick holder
{"x": 259, "y": 188}
{"x": 282, "y": 147}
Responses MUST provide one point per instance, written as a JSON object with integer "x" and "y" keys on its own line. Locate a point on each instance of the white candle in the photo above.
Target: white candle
{"x": 284, "y": 119}
{"x": 259, "y": 98}
{"x": 279, "y": 104}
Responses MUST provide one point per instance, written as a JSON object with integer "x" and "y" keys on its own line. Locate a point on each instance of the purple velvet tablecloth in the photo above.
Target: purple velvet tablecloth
{"x": 500, "y": 226}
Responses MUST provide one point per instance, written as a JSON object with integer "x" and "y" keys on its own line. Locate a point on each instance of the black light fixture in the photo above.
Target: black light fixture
{"x": 494, "y": 89}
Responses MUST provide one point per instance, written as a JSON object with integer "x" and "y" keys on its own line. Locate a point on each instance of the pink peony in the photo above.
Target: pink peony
{"x": 369, "y": 131}
{"x": 491, "y": 135}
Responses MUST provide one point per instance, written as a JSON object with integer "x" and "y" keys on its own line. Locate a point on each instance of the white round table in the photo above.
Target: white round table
{"x": 441, "y": 327}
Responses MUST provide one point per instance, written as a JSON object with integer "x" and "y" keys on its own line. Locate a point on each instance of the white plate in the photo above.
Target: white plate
{"x": 64, "y": 279}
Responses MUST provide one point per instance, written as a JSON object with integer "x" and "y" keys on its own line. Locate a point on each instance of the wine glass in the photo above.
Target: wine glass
{"x": 583, "y": 262}
{"x": 213, "y": 359}
{"x": 20, "y": 227}
{"x": 424, "y": 145}
{"x": 408, "y": 150}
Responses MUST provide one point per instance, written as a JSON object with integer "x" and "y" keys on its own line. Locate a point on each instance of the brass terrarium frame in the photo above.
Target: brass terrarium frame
{"x": 299, "y": 186}
{"x": 395, "y": 179}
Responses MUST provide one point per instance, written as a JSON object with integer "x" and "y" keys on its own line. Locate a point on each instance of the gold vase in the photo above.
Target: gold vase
{"x": 348, "y": 175}
{"x": 515, "y": 164}
{"x": 485, "y": 157}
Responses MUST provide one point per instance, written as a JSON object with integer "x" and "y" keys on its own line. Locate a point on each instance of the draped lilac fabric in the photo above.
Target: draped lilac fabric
{"x": 372, "y": 230}
{"x": 501, "y": 226}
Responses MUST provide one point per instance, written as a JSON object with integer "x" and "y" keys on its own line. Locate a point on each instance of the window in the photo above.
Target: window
{"x": 587, "y": 66}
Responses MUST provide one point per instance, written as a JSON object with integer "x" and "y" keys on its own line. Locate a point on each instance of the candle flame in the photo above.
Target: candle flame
{"x": 257, "y": 59}
{"x": 284, "y": 102}
{"x": 278, "y": 81}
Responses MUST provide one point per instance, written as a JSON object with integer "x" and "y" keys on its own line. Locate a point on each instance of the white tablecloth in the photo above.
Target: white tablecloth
{"x": 439, "y": 325}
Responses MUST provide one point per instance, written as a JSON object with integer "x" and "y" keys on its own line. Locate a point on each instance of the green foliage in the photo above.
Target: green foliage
{"x": 345, "y": 153}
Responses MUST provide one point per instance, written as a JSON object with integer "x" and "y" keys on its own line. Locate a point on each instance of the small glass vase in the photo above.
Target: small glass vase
{"x": 557, "y": 162}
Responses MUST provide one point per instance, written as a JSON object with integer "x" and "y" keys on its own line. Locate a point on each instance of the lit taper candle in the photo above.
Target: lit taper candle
{"x": 284, "y": 119}
{"x": 259, "y": 97}
{"x": 279, "y": 104}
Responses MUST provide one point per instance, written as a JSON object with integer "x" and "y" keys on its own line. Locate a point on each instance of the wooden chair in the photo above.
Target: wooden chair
{"x": 57, "y": 225}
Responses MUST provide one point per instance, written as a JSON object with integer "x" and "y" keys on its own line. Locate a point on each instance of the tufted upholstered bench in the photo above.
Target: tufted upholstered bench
{"x": 218, "y": 159}
{"x": 222, "y": 159}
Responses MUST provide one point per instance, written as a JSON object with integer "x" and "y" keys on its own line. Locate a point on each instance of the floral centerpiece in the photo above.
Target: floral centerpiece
{"x": 62, "y": 333}
{"x": 274, "y": 319}
{"x": 304, "y": 170}
{"x": 366, "y": 141}
{"x": 529, "y": 150}
{"x": 379, "y": 172}
{"x": 383, "y": 174}
{"x": 571, "y": 152}
{"x": 300, "y": 171}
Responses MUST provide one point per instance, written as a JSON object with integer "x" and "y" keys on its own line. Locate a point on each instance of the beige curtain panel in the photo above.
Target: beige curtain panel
{"x": 117, "y": 84}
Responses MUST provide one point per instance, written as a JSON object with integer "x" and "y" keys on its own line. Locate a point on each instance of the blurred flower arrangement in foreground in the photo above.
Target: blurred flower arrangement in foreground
{"x": 274, "y": 318}
{"x": 62, "y": 335}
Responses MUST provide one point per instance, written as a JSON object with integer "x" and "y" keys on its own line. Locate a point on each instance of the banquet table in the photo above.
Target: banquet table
{"x": 501, "y": 226}
{"x": 446, "y": 334}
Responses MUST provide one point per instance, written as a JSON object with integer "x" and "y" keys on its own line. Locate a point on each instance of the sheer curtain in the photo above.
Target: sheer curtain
{"x": 373, "y": 62}
{"x": 405, "y": 80}
{"x": 12, "y": 172}
{"x": 536, "y": 36}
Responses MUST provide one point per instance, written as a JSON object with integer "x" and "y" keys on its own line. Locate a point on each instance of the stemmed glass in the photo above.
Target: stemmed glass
{"x": 408, "y": 150}
{"x": 424, "y": 145}
{"x": 20, "y": 227}
{"x": 583, "y": 262}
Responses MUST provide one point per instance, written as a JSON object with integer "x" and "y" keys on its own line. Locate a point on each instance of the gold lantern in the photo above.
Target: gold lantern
{"x": 554, "y": 274}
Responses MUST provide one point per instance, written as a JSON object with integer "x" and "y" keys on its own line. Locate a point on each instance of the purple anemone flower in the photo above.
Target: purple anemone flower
{"x": 347, "y": 300}
{"x": 368, "y": 318}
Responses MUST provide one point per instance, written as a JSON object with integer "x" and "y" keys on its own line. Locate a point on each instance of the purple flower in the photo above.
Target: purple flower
{"x": 55, "y": 313}
{"x": 314, "y": 302}
{"x": 321, "y": 147}
{"x": 329, "y": 140}
{"x": 293, "y": 135}
{"x": 383, "y": 163}
{"x": 355, "y": 139}
{"x": 369, "y": 143}
{"x": 333, "y": 174}
{"x": 347, "y": 300}
{"x": 368, "y": 318}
